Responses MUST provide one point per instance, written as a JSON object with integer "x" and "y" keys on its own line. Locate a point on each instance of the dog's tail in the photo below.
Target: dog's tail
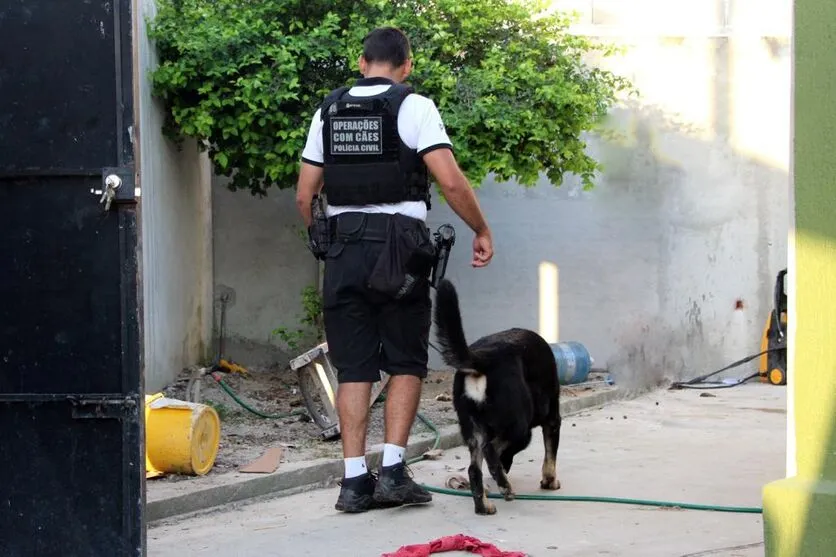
{"x": 449, "y": 330}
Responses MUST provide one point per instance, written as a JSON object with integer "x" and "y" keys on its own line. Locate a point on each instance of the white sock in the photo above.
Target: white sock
{"x": 355, "y": 466}
{"x": 392, "y": 454}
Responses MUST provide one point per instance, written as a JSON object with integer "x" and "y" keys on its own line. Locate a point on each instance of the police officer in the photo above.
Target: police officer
{"x": 370, "y": 150}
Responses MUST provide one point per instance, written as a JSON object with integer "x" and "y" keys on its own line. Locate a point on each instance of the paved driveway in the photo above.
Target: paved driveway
{"x": 677, "y": 446}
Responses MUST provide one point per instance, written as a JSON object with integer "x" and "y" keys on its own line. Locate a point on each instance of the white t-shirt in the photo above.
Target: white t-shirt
{"x": 420, "y": 127}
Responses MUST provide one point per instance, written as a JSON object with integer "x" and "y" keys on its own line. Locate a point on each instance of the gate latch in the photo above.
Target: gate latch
{"x": 118, "y": 186}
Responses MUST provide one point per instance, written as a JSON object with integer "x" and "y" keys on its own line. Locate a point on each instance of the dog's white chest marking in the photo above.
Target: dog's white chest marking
{"x": 475, "y": 387}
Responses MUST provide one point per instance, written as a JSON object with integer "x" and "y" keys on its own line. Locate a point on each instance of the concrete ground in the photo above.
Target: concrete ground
{"x": 183, "y": 495}
{"x": 675, "y": 446}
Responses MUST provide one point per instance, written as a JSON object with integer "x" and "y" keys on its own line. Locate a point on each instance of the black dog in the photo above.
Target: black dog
{"x": 505, "y": 385}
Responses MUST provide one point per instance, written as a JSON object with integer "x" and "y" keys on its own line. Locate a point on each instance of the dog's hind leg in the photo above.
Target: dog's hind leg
{"x": 506, "y": 457}
{"x": 551, "y": 441}
{"x": 498, "y": 472}
{"x": 477, "y": 487}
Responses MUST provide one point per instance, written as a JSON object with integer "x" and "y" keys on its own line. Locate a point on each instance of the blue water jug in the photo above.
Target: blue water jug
{"x": 573, "y": 362}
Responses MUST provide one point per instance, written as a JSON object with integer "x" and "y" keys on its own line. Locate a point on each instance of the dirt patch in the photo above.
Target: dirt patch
{"x": 275, "y": 391}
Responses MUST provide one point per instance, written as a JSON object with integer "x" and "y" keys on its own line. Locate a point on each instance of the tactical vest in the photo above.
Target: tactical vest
{"x": 365, "y": 160}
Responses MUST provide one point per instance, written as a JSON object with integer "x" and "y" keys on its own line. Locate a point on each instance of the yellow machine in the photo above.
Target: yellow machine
{"x": 773, "y": 360}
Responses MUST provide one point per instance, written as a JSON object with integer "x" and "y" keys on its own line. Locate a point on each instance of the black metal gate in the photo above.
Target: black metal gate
{"x": 71, "y": 392}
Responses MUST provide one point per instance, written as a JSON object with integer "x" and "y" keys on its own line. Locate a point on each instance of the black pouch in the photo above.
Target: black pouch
{"x": 406, "y": 259}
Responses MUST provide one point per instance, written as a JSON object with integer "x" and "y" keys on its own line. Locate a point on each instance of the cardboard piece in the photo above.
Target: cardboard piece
{"x": 265, "y": 464}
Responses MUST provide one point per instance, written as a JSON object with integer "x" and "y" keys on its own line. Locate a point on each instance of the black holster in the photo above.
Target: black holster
{"x": 444, "y": 239}
{"x": 319, "y": 232}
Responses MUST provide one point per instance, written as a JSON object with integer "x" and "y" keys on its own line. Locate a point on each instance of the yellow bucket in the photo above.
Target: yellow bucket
{"x": 180, "y": 437}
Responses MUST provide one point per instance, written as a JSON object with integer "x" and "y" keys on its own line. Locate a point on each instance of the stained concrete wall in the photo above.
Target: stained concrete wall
{"x": 176, "y": 241}
{"x": 261, "y": 261}
{"x": 689, "y": 216}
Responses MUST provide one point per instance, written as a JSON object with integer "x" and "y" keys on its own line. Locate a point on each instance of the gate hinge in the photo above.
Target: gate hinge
{"x": 102, "y": 409}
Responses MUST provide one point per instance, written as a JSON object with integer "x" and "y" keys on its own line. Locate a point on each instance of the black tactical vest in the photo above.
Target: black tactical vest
{"x": 365, "y": 160}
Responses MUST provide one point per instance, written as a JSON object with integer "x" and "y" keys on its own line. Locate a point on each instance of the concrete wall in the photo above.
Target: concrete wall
{"x": 689, "y": 217}
{"x": 262, "y": 262}
{"x": 176, "y": 222}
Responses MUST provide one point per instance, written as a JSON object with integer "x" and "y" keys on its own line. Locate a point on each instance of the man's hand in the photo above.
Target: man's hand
{"x": 482, "y": 250}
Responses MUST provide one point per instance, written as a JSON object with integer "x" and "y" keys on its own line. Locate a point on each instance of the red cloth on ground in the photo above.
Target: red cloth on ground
{"x": 459, "y": 542}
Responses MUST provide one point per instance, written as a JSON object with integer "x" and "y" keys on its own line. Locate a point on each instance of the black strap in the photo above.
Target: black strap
{"x": 332, "y": 97}
{"x": 396, "y": 95}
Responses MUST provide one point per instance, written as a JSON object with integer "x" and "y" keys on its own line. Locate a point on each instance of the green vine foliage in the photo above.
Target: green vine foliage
{"x": 310, "y": 329}
{"x": 244, "y": 79}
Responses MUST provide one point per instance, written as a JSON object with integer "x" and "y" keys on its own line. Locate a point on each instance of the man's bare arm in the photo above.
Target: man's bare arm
{"x": 459, "y": 194}
{"x": 309, "y": 185}
{"x": 456, "y": 188}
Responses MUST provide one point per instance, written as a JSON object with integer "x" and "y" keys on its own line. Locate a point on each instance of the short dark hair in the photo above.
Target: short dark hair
{"x": 386, "y": 45}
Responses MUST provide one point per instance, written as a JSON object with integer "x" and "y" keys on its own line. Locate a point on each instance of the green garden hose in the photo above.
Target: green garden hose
{"x": 522, "y": 496}
{"x": 594, "y": 499}
{"x": 426, "y": 421}
{"x": 577, "y": 498}
{"x": 228, "y": 390}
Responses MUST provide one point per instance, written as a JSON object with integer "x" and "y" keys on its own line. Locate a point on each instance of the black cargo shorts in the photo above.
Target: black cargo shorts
{"x": 366, "y": 330}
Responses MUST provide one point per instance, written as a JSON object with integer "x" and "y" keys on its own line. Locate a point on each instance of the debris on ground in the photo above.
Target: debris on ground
{"x": 265, "y": 464}
{"x": 275, "y": 391}
{"x": 457, "y": 483}
{"x": 434, "y": 454}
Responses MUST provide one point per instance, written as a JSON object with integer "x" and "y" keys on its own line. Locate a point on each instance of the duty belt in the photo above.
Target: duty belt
{"x": 354, "y": 227}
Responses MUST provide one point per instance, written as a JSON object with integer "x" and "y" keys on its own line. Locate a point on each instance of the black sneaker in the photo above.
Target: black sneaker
{"x": 395, "y": 487}
{"x": 357, "y": 494}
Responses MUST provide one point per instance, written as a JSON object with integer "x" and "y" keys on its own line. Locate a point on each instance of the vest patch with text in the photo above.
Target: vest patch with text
{"x": 365, "y": 160}
{"x": 360, "y": 135}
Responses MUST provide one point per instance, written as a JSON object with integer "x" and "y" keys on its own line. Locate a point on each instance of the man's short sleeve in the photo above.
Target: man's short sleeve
{"x": 432, "y": 134}
{"x": 312, "y": 154}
